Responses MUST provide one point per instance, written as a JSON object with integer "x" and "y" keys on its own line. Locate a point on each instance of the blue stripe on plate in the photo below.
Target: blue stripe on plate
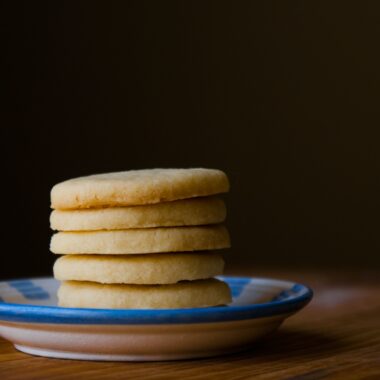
{"x": 58, "y": 315}
{"x": 238, "y": 286}
{"x": 289, "y": 293}
{"x": 29, "y": 290}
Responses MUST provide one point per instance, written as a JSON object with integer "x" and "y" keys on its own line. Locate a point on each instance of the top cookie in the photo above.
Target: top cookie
{"x": 137, "y": 187}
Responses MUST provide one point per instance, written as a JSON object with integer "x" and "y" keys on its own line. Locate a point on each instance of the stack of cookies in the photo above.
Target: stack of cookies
{"x": 141, "y": 239}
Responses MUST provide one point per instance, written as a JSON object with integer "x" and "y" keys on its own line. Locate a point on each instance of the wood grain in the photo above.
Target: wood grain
{"x": 336, "y": 337}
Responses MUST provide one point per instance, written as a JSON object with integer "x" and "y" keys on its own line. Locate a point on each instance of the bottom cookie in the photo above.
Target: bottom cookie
{"x": 187, "y": 294}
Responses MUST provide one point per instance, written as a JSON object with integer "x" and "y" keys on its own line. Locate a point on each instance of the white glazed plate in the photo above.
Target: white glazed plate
{"x": 30, "y": 319}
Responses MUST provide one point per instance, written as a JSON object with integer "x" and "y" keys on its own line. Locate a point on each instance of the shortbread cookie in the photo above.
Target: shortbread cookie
{"x": 200, "y": 293}
{"x": 160, "y": 268}
{"x": 143, "y": 240}
{"x": 137, "y": 187}
{"x": 187, "y": 212}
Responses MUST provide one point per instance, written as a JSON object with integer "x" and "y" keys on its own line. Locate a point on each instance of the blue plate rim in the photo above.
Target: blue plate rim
{"x": 25, "y": 313}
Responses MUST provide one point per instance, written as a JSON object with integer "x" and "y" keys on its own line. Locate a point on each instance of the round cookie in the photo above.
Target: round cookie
{"x": 188, "y": 294}
{"x": 162, "y": 268}
{"x": 143, "y": 240}
{"x": 187, "y": 212}
{"x": 137, "y": 187}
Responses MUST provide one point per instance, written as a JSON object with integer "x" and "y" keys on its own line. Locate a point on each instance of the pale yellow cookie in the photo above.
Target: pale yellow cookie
{"x": 187, "y": 212}
{"x": 137, "y": 187}
{"x": 160, "y": 268}
{"x": 188, "y": 294}
{"x": 143, "y": 240}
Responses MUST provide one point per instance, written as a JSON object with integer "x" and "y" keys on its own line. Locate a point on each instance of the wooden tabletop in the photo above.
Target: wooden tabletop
{"x": 336, "y": 337}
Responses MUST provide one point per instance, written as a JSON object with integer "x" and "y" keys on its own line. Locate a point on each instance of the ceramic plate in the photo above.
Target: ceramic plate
{"x": 30, "y": 319}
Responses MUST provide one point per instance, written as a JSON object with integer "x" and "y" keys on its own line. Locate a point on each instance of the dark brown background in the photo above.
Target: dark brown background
{"x": 282, "y": 95}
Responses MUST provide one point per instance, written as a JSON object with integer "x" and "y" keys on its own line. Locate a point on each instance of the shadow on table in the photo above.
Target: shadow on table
{"x": 290, "y": 344}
